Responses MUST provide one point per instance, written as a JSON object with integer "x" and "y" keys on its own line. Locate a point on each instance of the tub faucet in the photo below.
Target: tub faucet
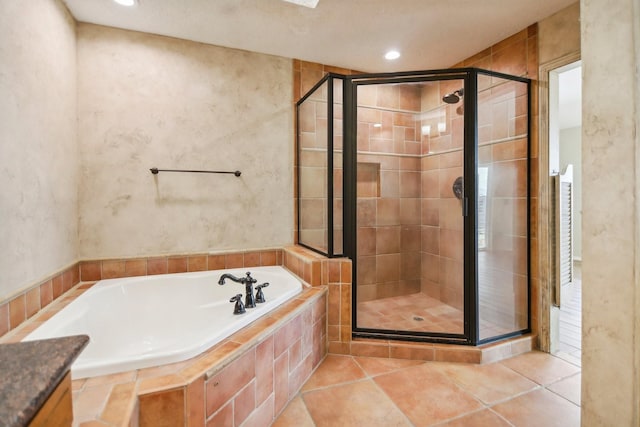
{"x": 249, "y": 299}
{"x": 232, "y": 277}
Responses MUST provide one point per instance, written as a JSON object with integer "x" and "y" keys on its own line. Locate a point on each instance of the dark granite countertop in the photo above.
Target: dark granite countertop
{"x": 30, "y": 371}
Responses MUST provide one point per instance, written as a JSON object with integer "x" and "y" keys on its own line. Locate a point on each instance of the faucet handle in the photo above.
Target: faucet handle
{"x": 239, "y": 307}
{"x": 259, "y": 294}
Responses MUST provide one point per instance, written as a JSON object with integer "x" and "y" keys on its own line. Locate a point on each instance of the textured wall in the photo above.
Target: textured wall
{"x": 559, "y": 34}
{"x": 147, "y": 101}
{"x": 38, "y": 151}
{"x": 610, "y": 222}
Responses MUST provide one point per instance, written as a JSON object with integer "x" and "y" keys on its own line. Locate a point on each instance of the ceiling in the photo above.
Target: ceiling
{"x": 352, "y": 34}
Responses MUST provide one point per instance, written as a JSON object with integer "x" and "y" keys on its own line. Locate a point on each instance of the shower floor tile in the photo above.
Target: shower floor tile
{"x": 417, "y": 313}
{"x": 389, "y": 392}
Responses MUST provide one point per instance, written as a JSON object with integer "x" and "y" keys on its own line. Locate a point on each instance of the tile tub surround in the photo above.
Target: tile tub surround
{"x": 248, "y": 378}
{"x": 284, "y": 346}
{"x": 19, "y": 308}
{"x": 116, "y": 268}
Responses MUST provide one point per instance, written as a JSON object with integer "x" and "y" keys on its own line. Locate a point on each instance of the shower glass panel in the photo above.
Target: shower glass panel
{"x": 410, "y": 222}
{"x": 319, "y": 167}
{"x": 338, "y": 110}
{"x": 502, "y": 204}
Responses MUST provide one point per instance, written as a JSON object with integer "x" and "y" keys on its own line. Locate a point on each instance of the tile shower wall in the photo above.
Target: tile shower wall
{"x": 441, "y": 229}
{"x": 502, "y": 226}
{"x": 389, "y": 191}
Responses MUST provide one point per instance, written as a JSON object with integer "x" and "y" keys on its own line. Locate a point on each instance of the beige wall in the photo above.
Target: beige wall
{"x": 559, "y": 34}
{"x": 611, "y": 244}
{"x": 38, "y": 150}
{"x": 559, "y": 45}
{"x": 148, "y": 101}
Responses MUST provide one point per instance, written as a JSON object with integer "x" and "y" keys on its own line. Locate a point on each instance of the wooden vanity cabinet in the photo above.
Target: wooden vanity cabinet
{"x": 57, "y": 410}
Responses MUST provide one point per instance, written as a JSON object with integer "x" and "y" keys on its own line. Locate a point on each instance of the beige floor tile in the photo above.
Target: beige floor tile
{"x": 489, "y": 383}
{"x": 417, "y": 393}
{"x": 377, "y": 366}
{"x": 77, "y": 385}
{"x": 355, "y": 404}
{"x": 569, "y": 388}
{"x": 334, "y": 370}
{"x": 426, "y": 395}
{"x": 540, "y": 367}
{"x": 539, "y": 408}
{"x": 120, "y": 404}
{"x": 89, "y": 403}
{"x": 484, "y": 418}
{"x": 294, "y": 415}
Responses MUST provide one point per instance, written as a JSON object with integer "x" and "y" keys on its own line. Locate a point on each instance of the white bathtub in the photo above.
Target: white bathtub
{"x": 139, "y": 322}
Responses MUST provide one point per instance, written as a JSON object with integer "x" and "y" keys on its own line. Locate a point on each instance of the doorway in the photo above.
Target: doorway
{"x": 565, "y": 166}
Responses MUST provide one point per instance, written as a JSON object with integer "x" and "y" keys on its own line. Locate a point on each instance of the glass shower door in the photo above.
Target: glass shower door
{"x": 410, "y": 224}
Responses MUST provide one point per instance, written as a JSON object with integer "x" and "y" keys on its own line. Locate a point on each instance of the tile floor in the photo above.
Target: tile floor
{"x": 533, "y": 389}
{"x": 570, "y": 316}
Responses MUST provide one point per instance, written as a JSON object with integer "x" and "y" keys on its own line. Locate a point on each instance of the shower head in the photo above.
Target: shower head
{"x": 453, "y": 97}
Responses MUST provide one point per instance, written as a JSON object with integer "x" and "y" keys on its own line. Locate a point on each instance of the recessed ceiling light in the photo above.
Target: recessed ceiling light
{"x": 307, "y": 3}
{"x": 391, "y": 55}
{"x": 126, "y": 2}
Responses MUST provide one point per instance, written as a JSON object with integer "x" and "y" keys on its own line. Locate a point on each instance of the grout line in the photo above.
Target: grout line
{"x": 393, "y": 403}
{"x": 562, "y": 397}
{"x": 501, "y": 417}
{"x": 326, "y": 387}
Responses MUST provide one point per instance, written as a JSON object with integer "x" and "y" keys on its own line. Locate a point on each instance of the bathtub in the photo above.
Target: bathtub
{"x": 140, "y": 322}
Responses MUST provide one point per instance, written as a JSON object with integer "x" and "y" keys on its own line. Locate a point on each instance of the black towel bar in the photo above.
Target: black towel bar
{"x": 156, "y": 170}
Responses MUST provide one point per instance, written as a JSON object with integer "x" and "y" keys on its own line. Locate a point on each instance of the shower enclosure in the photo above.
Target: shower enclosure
{"x": 422, "y": 180}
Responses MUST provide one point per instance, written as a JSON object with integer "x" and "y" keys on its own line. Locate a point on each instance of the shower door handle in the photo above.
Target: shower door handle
{"x": 465, "y": 206}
